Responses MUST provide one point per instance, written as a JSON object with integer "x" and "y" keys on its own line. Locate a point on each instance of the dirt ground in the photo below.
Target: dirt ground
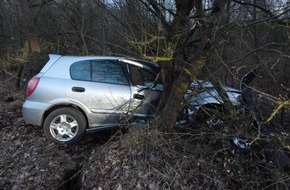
{"x": 139, "y": 159}
{"x": 28, "y": 160}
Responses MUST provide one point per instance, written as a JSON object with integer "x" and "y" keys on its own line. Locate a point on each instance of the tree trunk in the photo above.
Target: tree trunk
{"x": 179, "y": 87}
{"x": 186, "y": 73}
{"x": 26, "y": 20}
{"x": 173, "y": 104}
{"x": 165, "y": 77}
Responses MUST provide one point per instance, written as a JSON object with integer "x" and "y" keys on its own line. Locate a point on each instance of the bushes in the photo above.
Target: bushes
{"x": 182, "y": 160}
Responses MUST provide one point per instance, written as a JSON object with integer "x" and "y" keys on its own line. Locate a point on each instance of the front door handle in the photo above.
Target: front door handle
{"x": 138, "y": 96}
{"x": 78, "y": 89}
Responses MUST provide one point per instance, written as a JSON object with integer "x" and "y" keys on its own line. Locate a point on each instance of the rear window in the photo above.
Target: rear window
{"x": 105, "y": 71}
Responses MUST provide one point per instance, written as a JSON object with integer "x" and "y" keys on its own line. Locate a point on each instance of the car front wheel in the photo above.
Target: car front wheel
{"x": 65, "y": 126}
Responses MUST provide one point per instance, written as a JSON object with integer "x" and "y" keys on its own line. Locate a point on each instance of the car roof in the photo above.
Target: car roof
{"x": 137, "y": 62}
{"x": 84, "y": 57}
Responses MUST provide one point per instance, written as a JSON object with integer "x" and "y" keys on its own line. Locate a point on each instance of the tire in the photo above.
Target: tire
{"x": 65, "y": 126}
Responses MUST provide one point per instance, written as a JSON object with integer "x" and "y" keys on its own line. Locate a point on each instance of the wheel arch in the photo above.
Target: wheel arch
{"x": 55, "y": 107}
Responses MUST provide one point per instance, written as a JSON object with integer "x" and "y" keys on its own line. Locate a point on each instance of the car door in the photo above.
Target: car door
{"x": 101, "y": 87}
{"x": 145, "y": 95}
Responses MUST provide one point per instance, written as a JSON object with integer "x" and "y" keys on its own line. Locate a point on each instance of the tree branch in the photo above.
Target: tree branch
{"x": 256, "y": 6}
{"x": 256, "y": 50}
{"x": 156, "y": 11}
{"x": 272, "y": 15}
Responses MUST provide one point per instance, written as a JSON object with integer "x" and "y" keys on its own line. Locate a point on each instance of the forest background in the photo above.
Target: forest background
{"x": 206, "y": 39}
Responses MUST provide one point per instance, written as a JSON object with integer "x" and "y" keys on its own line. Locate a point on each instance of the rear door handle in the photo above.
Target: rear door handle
{"x": 138, "y": 96}
{"x": 78, "y": 89}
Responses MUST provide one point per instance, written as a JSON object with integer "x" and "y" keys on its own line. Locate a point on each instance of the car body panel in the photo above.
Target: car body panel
{"x": 145, "y": 107}
{"x": 52, "y": 59}
{"x": 203, "y": 93}
{"x": 104, "y": 103}
{"x": 33, "y": 112}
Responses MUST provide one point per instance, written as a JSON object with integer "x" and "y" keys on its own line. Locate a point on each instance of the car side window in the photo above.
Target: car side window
{"x": 105, "y": 71}
{"x": 136, "y": 75}
{"x": 81, "y": 70}
{"x": 108, "y": 72}
{"x": 141, "y": 76}
{"x": 148, "y": 77}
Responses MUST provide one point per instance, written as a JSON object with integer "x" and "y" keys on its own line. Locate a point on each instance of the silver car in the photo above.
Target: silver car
{"x": 72, "y": 95}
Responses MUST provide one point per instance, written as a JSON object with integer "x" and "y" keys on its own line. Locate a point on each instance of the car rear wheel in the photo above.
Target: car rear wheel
{"x": 65, "y": 126}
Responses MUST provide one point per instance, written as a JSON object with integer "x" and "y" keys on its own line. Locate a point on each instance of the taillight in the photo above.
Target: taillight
{"x": 31, "y": 86}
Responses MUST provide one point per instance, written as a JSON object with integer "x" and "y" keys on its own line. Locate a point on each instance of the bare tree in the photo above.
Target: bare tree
{"x": 26, "y": 22}
{"x": 188, "y": 31}
{"x": 183, "y": 36}
{"x": 180, "y": 34}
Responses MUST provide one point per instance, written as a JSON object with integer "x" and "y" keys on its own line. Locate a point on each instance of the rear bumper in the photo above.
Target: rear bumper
{"x": 32, "y": 112}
